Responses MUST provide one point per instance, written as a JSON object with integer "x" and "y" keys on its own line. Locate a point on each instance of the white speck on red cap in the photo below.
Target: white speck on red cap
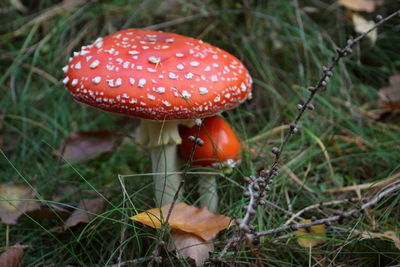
{"x": 177, "y": 77}
{"x": 94, "y": 64}
{"x": 142, "y": 82}
{"x": 96, "y": 80}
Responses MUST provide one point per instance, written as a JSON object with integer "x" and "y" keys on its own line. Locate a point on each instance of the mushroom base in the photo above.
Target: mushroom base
{"x": 208, "y": 192}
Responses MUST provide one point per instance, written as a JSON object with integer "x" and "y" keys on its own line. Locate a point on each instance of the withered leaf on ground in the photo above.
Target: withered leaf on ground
{"x": 188, "y": 245}
{"x": 391, "y": 235}
{"x": 361, "y": 5}
{"x": 12, "y": 257}
{"x": 390, "y": 96}
{"x": 85, "y": 212}
{"x": 51, "y": 211}
{"x": 312, "y": 236}
{"x": 17, "y": 4}
{"x": 83, "y": 146}
{"x": 198, "y": 221}
{"x": 1, "y": 128}
{"x": 15, "y": 200}
{"x": 362, "y": 25}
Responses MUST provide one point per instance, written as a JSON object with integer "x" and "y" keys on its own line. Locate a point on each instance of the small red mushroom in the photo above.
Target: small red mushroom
{"x": 221, "y": 149}
{"x": 165, "y": 79}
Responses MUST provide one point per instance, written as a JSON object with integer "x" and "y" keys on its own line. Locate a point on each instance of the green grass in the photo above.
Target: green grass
{"x": 283, "y": 48}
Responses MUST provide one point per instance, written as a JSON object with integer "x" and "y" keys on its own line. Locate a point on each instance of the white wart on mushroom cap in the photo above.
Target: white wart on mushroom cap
{"x": 157, "y": 76}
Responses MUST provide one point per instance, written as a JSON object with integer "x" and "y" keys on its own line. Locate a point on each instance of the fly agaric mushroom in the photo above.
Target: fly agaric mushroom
{"x": 221, "y": 149}
{"x": 163, "y": 78}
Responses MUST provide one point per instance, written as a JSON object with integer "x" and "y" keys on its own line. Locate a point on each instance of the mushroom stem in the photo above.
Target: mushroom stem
{"x": 162, "y": 137}
{"x": 164, "y": 162}
{"x": 208, "y": 192}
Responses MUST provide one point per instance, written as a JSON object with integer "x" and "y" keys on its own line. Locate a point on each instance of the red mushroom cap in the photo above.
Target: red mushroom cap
{"x": 156, "y": 75}
{"x": 220, "y": 143}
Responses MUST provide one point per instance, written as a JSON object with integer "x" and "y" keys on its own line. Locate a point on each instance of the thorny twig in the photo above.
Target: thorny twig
{"x": 196, "y": 142}
{"x": 319, "y": 205}
{"x": 258, "y": 186}
{"x": 327, "y": 221}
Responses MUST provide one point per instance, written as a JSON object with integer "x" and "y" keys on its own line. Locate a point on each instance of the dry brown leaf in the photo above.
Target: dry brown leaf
{"x": 50, "y": 211}
{"x": 390, "y": 96}
{"x": 83, "y": 146}
{"x": 395, "y": 80}
{"x": 85, "y": 212}
{"x": 12, "y": 257}
{"x": 15, "y": 201}
{"x": 17, "y": 4}
{"x": 313, "y": 236}
{"x": 190, "y": 246}
{"x": 361, "y": 5}
{"x": 391, "y": 235}
{"x": 1, "y": 128}
{"x": 199, "y": 221}
{"x": 362, "y": 25}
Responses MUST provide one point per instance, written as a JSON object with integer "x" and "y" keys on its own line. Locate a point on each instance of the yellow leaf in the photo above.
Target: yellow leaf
{"x": 362, "y": 25}
{"x": 311, "y": 237}
{"x": 198, "y": 221}
{"x": 361, "y": 5}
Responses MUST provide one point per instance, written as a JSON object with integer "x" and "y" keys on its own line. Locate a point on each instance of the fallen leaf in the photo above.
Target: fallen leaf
{"x": 15, "y": 200}
{"x": 83, "y": 146}
{"x": 395, "y": 80}
{"x": 361, "y": 5}
{"x": 198, "y": 221}
{"x": 12, "y": 257}
{"x": 85, "y": 212}
{"x": 189, "y": 245}
{"x": 362, "y": 25}
{"x": 311, "y": 237}
{"x": 1, "y": 128}
{"x": 390, "y": 96}
{"x": 391, "y": 235}
{"x": 18, "y": 5}
{"x": 51, "y": 211}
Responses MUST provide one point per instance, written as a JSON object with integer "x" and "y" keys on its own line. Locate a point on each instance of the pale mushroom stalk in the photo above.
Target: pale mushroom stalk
{"x": 208, "y": 192}
{"x": 161, "y": 138}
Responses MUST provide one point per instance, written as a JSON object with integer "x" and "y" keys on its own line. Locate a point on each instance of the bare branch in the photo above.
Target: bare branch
{"x": 260, "y": 184}
{"x": 327, "y": 221}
